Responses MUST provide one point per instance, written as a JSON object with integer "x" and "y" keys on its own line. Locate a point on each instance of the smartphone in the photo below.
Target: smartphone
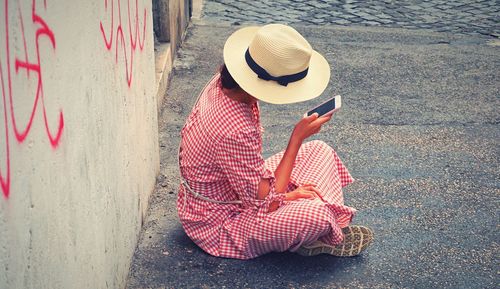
{"x": 328, "y": 107}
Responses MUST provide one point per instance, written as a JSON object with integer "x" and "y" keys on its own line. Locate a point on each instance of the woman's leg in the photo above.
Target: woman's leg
{"x": 318, "y": 164}
{"x": 293, "y": 225}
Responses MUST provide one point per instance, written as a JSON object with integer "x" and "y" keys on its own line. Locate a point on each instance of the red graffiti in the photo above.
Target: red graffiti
{"x": 118, "y": 36}
{"x": 31, "y": 66}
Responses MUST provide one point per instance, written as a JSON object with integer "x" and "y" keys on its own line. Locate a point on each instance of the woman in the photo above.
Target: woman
{"x": 232, "y": 203}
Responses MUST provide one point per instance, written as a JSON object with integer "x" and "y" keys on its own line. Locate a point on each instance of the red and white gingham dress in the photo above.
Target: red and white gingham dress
{"x": 220, "y": 158}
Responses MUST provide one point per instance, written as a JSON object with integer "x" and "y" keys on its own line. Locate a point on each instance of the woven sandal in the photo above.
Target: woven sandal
{"x": 356, "y": 240}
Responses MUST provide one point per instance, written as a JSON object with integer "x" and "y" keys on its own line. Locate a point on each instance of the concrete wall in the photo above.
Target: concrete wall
{"x": 78, "y": 140}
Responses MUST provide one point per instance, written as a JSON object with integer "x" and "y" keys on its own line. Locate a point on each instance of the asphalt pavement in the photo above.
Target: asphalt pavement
{"x": 419, "y": 131}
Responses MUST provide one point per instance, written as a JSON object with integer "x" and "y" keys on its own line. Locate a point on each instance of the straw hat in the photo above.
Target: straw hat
{"x": 275, "y": 64}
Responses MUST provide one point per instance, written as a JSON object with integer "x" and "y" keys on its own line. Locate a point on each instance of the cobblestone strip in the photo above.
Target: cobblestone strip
{"x": 479, "y": 17}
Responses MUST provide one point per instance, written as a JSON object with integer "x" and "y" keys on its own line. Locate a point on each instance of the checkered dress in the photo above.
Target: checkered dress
{"x": 221, "y": 159}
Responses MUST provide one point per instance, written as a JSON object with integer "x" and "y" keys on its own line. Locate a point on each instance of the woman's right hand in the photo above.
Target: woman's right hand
{"x": 308, "y": 126}
{"x": 303, "y": 192}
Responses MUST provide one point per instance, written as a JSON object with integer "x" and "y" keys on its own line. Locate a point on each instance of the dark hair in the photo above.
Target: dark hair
{"x": 226, "y": 80}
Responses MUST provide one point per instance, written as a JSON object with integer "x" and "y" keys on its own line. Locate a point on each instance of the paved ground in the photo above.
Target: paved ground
{"x": 419, "y": 130}
{"x": 479, "y": 17}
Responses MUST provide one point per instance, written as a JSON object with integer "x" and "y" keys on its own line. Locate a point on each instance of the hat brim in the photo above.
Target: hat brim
{"x": 307, "y": 88}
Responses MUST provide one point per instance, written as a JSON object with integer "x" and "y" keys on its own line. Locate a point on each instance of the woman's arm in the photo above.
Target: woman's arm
{"x": 306, "y": 127}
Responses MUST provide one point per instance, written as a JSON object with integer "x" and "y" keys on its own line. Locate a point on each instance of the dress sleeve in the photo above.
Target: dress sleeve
{"x": 240, "y": 158}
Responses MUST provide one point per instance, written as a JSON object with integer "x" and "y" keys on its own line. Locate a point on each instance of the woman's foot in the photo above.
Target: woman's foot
{"x": 356, "y": 239}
